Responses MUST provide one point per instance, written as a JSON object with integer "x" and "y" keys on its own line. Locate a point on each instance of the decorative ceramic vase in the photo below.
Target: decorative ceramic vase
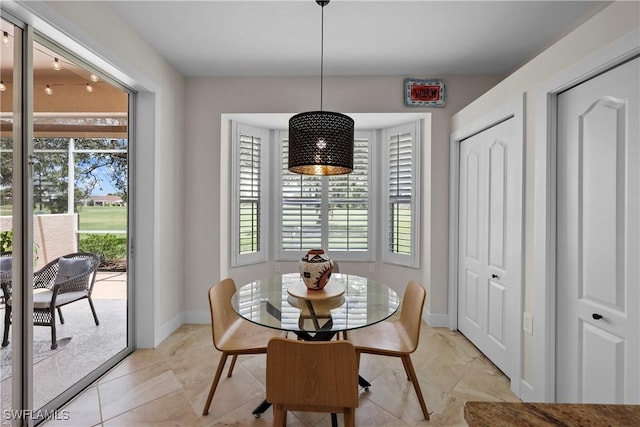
{"x": 315, "y": 269}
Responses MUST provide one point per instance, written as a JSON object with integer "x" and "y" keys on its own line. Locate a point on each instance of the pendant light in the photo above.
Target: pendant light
{"x": 321, "y": 142}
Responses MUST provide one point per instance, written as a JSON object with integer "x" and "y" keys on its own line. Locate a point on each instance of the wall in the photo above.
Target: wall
{"x": 615, "y": 21}
{"x": 54, "y": 236}
{"x": 94, "y": 32}
{"x": 206, "y": 229}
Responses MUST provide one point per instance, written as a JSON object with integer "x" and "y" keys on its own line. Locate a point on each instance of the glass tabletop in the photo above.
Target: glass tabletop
{"x": 282, "y": 302}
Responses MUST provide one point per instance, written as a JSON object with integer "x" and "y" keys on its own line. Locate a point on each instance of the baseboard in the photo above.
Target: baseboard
{"x": 169, "y": 328}
{"x": 436, "y": 320}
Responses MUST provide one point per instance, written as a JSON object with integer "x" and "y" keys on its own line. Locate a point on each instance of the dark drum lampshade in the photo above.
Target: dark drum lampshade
{"x": 321, "y": 143}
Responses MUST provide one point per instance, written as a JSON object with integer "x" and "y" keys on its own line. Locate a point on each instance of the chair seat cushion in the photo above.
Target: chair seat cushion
{"x": 71, "y": 267}
{"x": 43, "y": 299}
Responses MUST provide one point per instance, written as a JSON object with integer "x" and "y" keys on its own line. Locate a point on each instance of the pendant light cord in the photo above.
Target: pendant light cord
{"x": 321, "y": 53}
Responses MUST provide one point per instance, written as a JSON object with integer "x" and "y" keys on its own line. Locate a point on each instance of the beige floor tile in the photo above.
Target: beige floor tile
{"x": 169, "y": 410}
{"x": 84, "y": 410}
{"x": 240, "y": 416}
{"x": 168, "y": 386}
{"x": 231, "y": 393}
{"x": 130, "y": 391}
{"x": 140, "y": 359}
{"x": 395, "y": 394}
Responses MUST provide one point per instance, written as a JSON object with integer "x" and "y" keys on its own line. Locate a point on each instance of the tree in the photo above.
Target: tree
{"x": 93, "y": 158}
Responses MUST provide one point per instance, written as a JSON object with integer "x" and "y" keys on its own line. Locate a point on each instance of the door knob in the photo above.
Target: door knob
{"x": 494, "y": 276}
{"x": 596, "y": 316}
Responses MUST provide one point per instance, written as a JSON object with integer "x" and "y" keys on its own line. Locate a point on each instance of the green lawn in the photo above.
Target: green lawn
{"x": 106, "y": 218}
{"x": 112, "y": 218}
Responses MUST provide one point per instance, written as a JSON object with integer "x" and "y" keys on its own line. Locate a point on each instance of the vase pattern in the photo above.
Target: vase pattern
{"x": 315, "y": 269}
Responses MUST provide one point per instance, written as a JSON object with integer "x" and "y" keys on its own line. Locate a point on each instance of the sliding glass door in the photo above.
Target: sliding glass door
{"x": 75, "y": 188}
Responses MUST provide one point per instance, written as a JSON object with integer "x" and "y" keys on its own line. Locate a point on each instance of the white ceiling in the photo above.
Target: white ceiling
{"x": 372, "y": 37}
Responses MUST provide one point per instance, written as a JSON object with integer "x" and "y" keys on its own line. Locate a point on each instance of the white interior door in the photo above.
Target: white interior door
{"x": 598, "y": 234}
{"x": 490, "y": 228}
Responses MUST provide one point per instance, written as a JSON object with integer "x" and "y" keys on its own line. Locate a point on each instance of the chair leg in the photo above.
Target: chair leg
{"x": 54, "y": 341}
{"x": 406, "y": 369}
{"x": 93, "y": 310}
{"x": 349, "y": 417}
{"x": 279, "y": 415}
{"x": 406, "y": 360}
{"x": 7, "y": 323}
{"x": 233, "y": 364}
{"x": 334, "y": 419}
{"x": 60, "y": 315}
{"x": 216, "y": 379}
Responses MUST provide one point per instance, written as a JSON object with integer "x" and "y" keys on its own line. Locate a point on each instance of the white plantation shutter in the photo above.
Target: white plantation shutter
{"x": 349, "y": 204}
{"x": 248, "y": 208}
{"x": 327, "y": 212}
{"x": 301, "y": 208}
{"x": 402, "y": 182}
{"x": 249, "y": 186}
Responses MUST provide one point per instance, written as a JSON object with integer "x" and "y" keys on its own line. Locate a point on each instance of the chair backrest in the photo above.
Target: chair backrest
{"x": 313, "y": 374}
{"x": 411, "y": 311}
{"x": 80, "y": 271}
{"x": 222, "y": 314}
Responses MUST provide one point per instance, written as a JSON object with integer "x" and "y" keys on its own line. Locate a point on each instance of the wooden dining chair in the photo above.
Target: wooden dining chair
{"x": 398, "y": 338}
{"x": 232, "y": 335}
{"x": 312, "y": 376}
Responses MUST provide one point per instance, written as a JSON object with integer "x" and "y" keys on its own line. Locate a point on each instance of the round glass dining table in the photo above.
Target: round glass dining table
{"x": 347, "y": 302}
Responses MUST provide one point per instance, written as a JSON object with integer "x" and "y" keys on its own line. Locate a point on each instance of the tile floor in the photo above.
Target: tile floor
{"x": 167, "y": 386}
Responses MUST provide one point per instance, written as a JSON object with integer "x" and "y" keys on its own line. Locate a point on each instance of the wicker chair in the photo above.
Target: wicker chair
{"x": 60, "y": 289}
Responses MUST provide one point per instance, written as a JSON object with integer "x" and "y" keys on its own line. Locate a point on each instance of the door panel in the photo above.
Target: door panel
{"x": 599, "y": 346}
{"x": 496, "y": 313}
{"x": 598, "y": 256}
{"x": 471, "y": 294}
{"x": 497, "y": 205}
{"x": 490, "y": 251}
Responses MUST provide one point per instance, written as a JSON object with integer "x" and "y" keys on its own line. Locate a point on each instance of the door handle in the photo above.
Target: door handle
{"x": 596, "y": 316}
{"x": 494, "y": 276}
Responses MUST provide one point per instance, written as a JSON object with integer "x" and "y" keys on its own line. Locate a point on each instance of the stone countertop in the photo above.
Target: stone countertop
{"x": 512, "y": 414}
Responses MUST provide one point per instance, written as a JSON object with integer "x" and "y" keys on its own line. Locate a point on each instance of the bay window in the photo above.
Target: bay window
{"x": 346, "y": 215}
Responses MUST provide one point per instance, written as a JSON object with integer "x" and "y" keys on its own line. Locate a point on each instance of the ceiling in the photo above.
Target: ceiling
{"x": 372, "y": 37}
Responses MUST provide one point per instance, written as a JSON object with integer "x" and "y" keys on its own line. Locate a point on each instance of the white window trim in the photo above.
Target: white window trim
{"x": 238, "y": 259}
{"x": 412, "y": 260}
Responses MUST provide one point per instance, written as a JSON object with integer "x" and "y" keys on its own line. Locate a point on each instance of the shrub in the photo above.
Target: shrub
{"x": 109, "y": 247}
{"x": 6, "y": 242}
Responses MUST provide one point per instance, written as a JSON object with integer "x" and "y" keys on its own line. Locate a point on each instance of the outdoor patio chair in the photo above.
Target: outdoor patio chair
{"x": 5, "y": 276}
{"x": 64, "y": 280}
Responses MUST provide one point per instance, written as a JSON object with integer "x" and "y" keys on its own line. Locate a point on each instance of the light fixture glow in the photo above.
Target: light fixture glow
{"x": 56, "y": 65}
{"x": 2, "y": 86}
{"x": 94, "y": 78}
{"x": 89, "y": 88}
{"x": 48, "y": 90}
{"x": 5, "y": 38}
{"x": 321, "y": 142}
